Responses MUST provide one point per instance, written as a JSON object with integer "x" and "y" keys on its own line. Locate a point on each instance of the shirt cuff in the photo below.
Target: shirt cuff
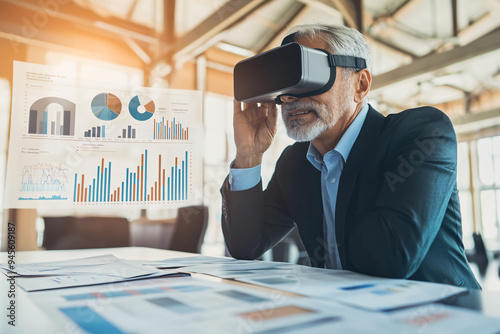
{"x": 243, "y": 178}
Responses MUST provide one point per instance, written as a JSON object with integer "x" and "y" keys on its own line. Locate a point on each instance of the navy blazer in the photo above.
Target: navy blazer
{"x": 397, "y": 211}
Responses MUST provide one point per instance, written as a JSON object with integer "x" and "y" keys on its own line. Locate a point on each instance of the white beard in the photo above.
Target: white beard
{"x": 325, "y": 118}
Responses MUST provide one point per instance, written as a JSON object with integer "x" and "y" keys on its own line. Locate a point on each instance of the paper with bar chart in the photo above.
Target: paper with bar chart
{"x": 87, "y": 144}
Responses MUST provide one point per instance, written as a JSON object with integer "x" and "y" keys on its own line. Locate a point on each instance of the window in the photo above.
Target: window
{"x": 463, "y": 180}
{"x": 488, "y": 154}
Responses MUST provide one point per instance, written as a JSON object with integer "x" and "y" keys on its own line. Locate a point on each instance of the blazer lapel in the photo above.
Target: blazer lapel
{"x": 372, "y": 127}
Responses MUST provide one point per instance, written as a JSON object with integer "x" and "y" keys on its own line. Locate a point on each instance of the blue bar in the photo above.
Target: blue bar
{"x": 126, "y": 194}
{"x": 105, "y": 183}
{"x": 102, "y": 132}
{"x": 180, "y": 131}
{"x": 90, "y": 191}
{"x": 175, "y": 187}
{"x": 179, "y": 188}
{"x": 172, "y": 187}
{"x": 74, "y": 191}
{"x": 164, "y": 132}
{"x": 146, "y": 175}
{"x": 99, "y": 184}
{"x": 168, "y": 188}
{"x": 174, "y": 130}
{"x": 102, "y": 186}
{"x": 130, "y": 195}
{"x": 182, "y": 180}
{"x": 122, "y": 190}
{"x": 109, "y": 182}
{"x": 169, "y": 136}
{"x": 93, "y": 190}
{"x": 89, "y": 320}
{"x": 135, "y": 178}
{"x": 45, "y": 116}
{"x": 186, "y": 180}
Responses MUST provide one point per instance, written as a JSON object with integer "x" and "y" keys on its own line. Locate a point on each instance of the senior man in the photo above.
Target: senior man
{"x": 371, "y": 194}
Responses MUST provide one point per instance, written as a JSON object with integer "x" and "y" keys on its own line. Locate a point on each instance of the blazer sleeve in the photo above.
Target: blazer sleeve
{"x": 254, "y": 220}
{"x": 394, "y": 236}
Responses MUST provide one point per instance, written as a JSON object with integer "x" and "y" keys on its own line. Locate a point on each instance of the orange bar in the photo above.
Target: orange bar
{"x": 164, "y": 177}
{"x": 142, "y": 176}
{"x": 139, "y": 178}
{"x": 78, "y": 193}
{"x": 83, "y": 185}
{"x": 118, "y": 194}
{"x": 159, "y": 175}
{"x": 175, "y": 161}
{"x": 133, "y": 191}
{"x": 151, "y": 193}
{"x": 102, "y": 166}
{"x": 148, "y": 198}
{"x": 85, "y": 198}
{"x": 167, "y": 131}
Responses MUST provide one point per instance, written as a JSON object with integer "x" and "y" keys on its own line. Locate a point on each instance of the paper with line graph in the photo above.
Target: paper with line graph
{"x": 86, "y": 144}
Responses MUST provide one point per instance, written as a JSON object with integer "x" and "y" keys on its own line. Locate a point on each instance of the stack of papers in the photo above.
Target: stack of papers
{"x": 80, "y": 272}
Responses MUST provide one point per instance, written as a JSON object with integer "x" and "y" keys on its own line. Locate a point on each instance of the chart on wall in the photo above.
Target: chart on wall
{"x": 87, "y": 144}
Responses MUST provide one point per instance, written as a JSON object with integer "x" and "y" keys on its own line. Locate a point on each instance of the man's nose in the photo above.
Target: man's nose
{"x": 288, "y": 98}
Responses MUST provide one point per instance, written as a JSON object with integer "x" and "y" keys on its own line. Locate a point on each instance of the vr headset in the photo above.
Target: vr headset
{"x": 290, "y": 69}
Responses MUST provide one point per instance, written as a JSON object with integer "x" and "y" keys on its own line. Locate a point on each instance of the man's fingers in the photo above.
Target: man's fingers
{"x": 236, "y": 106}
{"x": 272, "y": 113}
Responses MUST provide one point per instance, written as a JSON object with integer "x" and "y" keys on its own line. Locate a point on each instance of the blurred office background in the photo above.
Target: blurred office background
{"x": 444, "y": 53}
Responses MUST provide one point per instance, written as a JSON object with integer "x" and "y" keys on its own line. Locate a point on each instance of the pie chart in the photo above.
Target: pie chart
{"x": 106, "y": 106}
{"x": 141, "y": 108}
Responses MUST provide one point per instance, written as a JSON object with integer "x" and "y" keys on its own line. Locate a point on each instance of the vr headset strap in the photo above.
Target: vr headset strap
{"x": 346, "y": 61}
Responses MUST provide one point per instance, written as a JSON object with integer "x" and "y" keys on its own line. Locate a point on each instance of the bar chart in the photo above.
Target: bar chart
{"x": 52, "y": 116}
{"x": 170, "y": 183}
{"x": 170, "y": 130}
{"x": 95, "y": 132}
{"x": 128, "y": 133}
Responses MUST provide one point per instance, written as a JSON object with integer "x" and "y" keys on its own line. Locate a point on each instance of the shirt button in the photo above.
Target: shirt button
{"x": 333, "y": 180}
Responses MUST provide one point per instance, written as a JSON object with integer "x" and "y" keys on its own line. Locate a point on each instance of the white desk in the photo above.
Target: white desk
{"x": 30, "y": 319}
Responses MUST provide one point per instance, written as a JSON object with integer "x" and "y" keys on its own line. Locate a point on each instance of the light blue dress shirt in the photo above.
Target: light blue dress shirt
{"x": 330, "y": 166}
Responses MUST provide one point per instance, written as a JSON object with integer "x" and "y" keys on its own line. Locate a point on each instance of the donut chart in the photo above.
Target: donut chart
{"x": 141, "y": 108}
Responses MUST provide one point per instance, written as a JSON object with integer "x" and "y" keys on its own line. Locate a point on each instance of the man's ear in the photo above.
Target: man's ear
{"x": 363, "y": 81}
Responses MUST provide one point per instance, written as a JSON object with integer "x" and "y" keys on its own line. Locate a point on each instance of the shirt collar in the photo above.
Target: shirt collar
{"x": 345, "y": 143}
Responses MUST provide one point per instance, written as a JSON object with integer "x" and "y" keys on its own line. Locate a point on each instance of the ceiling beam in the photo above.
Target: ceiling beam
{"x": 437, "y": 61}
{"x": 454, "y": 17}
{"x": 348, "y": 11}
{"x": 202, "y": 36}
{"x": 71, "y": 12}
{"x": 168, "y": 35}
{"x": 286, "y": 22}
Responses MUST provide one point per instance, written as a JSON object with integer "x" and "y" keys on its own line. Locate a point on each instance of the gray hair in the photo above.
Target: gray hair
{"x": 340, "y": 40}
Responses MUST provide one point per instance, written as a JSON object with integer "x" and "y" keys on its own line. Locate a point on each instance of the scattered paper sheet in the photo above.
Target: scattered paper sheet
{"x": 362, "y": 291}
{"x": 80, "y": 272}
{"x": 108, "y": 265}
{"x": 187, "y": 261}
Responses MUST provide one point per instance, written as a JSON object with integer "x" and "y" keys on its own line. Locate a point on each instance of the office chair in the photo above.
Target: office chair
{"x": 479, "y": 255}
{"x": 189, "y": 229}
{"x": 85, "y": 232}
{"x": 281, "y": 251}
